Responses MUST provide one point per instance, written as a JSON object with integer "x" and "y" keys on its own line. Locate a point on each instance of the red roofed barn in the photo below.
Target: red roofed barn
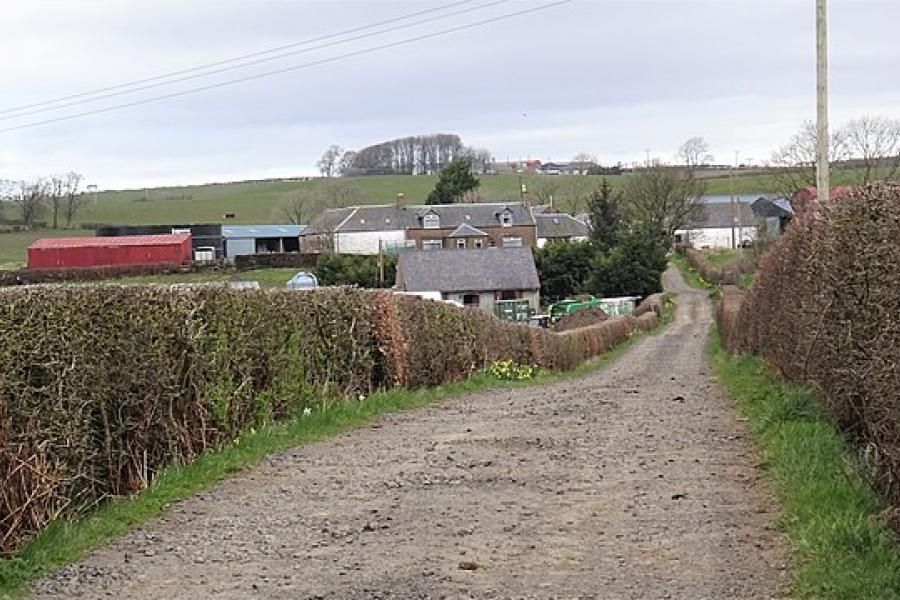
{"x": 68, "y": 253}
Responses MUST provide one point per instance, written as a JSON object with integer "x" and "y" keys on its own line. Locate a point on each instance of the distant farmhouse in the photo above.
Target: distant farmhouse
{"x": 717, "y": 222}
{"x": 392, "y": 227}
{"x": 474, "y": 278}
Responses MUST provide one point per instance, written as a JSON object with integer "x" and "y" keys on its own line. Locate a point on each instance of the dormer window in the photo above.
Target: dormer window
{"x": 431, "y": 221}
{"x": 506, "y": 219}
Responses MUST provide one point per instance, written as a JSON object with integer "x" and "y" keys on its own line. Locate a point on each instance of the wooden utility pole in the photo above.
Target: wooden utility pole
{"x": 733, "y": 201}
{"x": 822, "y": 139}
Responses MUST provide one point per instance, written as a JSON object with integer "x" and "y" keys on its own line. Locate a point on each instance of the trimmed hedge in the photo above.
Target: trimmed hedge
{"x": 32, "y": 276}
{"x": 725, "y": 275}
{"x": 102, "y": 387}
{"x": 824, "y": 310}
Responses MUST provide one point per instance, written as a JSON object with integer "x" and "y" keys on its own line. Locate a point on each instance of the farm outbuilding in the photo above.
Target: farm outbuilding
{"x": 260, "y": 239}
{"x": 72, "y": 253}
{"x": 206, "y": 238}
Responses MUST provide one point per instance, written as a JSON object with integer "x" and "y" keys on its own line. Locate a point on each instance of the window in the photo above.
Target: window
{"x": 471, "y": 300}
{"x": 479, "y": 243}
{"x": 506, "y": 219}
{"x": 509, "y": 295}
{"x": 432, "y": 244}
{"x": 431, "y": 221}
{"x": 460, "y": 243}
{"x": 512, "y": 241}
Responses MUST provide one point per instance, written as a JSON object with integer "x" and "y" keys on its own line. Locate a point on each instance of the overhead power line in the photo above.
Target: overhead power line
{"x": 322, "y": 61}
{"x": 96, "y": 97}
{"x": 238, "y": 58}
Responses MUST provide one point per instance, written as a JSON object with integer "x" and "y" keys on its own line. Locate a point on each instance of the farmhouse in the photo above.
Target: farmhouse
{"x": 241, "y": 240}
{"x": 714, "y": 228}
{"x": 380, "y": 228}
{"x": 559, "y": 227}
{"x": 58, "y": 253}
{"x": 474, "y": 278}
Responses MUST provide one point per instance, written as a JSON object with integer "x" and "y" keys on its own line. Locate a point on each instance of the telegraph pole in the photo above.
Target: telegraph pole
{"x": 822, "y": 141}
{"x": 733, "y": 198}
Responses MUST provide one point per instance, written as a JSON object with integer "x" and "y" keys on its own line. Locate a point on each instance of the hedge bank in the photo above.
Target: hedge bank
{"x": 102, "y": 387}
{"x": 729, "y": 274}
{"x": 825, "y": 311}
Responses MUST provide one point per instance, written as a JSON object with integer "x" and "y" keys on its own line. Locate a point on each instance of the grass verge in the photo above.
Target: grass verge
{"x": 828, "y": 510}
{"x": 691, "y": 276}
{"x": 64, "y": 542}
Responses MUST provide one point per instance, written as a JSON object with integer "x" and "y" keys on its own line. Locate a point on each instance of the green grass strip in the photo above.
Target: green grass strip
{"x": 828, "y": 509}
{"x": 691, "y": 276}
{"x": 64, "y": 542}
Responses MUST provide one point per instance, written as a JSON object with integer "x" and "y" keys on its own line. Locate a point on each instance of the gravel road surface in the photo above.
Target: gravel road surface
{"x": 636, "y": 481}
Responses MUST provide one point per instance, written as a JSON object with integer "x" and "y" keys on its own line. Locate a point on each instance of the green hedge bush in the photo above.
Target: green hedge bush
{"x": 102, "y": 387}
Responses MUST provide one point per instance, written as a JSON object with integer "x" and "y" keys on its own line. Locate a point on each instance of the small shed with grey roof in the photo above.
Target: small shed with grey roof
{"x": 474, "y": 278}
{"x": 559, "y": 226}
{"x": 260, "y": 239}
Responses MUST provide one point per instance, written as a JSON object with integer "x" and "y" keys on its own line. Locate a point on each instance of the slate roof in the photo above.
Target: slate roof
{"x": 466, "y": 231}
{"x": 483, "y": 270}
{"x": 718, "y": 216}
{"x": 764, "y": 207}
{"x": 390, "y": 217}
{"x": 328, "y": 220}
{"x": 561, "y": 225}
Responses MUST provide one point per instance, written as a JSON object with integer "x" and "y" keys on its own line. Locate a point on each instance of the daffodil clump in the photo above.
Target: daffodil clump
{"x": 507, "y": 370}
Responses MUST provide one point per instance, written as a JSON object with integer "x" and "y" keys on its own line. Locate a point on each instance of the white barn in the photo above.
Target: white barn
{"x": 714, "y": 229}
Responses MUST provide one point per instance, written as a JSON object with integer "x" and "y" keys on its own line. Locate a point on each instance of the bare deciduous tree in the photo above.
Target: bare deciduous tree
{"x": 694, "y": 152}
{"x": 31, "y": 200}
{"x": 54, "y": 190}
{"x": 74, "y": 198}
{"x": 876, "y": 142}
{"x": 663, "y": 199}
{"x": 338, "y": 194}
{"x": 328, "y": 163}
{"x": 795, "y": 162}
{"x": 345, "y": 166}
{"x": 584, "y": 158}
{"x": 299, "y": 207}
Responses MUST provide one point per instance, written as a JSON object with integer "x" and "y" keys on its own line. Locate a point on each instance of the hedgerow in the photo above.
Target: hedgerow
{"x": 824, "y": 310}
{"x": 103, "y": 387}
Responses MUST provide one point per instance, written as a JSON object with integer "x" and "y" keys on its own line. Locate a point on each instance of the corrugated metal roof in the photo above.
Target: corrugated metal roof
{"x": 101, "y": 242}
{"x": 487, "y": 269}
{"x": 262, "y": 231}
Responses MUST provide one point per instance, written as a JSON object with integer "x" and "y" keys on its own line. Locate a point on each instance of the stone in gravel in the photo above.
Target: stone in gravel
{"x": 468, "y": 565}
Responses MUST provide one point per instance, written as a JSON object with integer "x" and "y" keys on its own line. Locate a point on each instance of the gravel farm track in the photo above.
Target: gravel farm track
{"x": 635, "y": 481}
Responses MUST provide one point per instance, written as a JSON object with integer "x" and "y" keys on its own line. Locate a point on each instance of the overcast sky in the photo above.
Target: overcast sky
{"x": 601, "y": 76}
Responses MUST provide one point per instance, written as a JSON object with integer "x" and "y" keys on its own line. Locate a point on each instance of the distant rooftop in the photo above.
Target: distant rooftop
{"x": 262, "y": 231}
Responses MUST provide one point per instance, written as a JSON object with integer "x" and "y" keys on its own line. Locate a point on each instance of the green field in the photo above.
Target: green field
{"x": 261, "y": 202}
{"x": 267, "y": 278}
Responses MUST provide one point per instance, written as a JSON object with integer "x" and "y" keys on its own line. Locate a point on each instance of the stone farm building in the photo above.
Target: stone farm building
{"x": 370, "y": 229}
{"x": 474, "y": 278}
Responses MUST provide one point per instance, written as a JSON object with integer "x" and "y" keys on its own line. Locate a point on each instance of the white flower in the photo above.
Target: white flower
{"x": 307, "y": 411}
{"x": 361, "y": 397}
